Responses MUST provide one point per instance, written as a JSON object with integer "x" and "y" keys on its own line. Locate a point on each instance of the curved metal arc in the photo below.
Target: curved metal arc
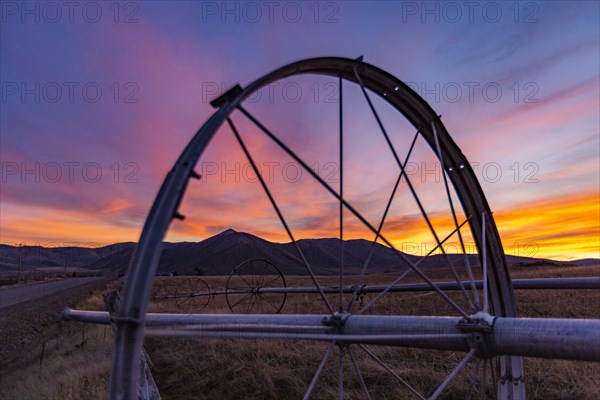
{"x": 129, "y": 337}
{"x": 129, "y": 327}
{"x": 455, "y": 220}
{"x": 420, "y": 114}
{"x": 341, "y": 205}
{"x": 410, "y": 186}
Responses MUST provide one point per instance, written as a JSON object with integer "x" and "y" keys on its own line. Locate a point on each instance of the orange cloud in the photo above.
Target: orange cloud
{"x": 48, "y": 227}
{"x": 558, "y": 227}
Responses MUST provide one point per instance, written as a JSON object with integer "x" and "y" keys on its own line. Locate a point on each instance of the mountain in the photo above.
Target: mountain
{"x": 220, "y": 254}
{"x": 71, "y": 256}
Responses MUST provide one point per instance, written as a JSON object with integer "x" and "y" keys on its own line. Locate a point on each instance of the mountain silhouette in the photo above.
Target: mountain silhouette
{"x": 220, "y": 254}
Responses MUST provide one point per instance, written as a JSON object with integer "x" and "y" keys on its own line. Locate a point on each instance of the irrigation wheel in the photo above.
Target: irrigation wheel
{"x": 192, "y": 294}
{"x": 163, "y": 292}
{"x": 250, "y": 278}
{"x": 458, "y": 176}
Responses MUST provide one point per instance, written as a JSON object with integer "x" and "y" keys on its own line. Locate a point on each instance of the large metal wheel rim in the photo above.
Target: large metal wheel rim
{"x": 279, "y": 276}
{"x": 129, "y": 337}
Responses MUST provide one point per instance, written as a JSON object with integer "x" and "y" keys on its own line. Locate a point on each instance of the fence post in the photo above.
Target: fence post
{"x": 147, "y": 389}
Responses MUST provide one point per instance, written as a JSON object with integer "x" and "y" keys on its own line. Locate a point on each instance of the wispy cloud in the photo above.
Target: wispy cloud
{"x": 174, "y": 52}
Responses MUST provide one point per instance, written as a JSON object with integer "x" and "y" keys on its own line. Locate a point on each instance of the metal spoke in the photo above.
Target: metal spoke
{"x": 341, "y": 198}
{"x": 404, "y": 274}
{"x": 353, "y": 211}
{"x": 363, "y": 271}
{"x": 252, "y": 300}
{"x": 259, "y": 281}
{"x": 360, "y": 377}
{"x": 341, "y": 373}
{"x": 259, "y": 302}
{"x": 268, "y": 302}
{"x": 391, "y": 371}
{"x": 412, "y": 189}
{"x": 474, "y": 378}
{"x": 260, "y": 277}
{"x": 252, "y": 277}
{"x": 486, "y": 306}
{"x": 493, "y": 376}
{"x": 484, "y": 382}
{"x": 460, "y": 238}
{"x": 318, "y": 372}
{"x": 243, "y": 298}
{"x": 279, "y": 214}
{"x": 452, "y": 375}
{"x": 244, "y": 279}
{"x": 271, "y": 281}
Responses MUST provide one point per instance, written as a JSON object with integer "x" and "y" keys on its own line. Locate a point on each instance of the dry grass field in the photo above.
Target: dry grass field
{"x": 76, "y": 360}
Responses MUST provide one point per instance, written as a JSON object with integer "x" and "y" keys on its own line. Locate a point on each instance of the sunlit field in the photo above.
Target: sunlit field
{"x": 72, "y": 361}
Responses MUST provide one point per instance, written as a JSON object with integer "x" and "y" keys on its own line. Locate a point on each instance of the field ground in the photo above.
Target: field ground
{"x": 72, "y": 360}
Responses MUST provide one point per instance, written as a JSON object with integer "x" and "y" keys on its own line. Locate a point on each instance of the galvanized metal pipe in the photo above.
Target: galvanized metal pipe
{"x": 575, "y": 339}
{"x": 535, "y": 283}
{"x": 592, "y": 282}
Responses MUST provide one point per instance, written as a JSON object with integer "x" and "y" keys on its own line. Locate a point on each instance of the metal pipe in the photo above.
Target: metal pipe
{"x": 592, "y": 282}
{"x": 576, "y": 339}
{"x": 535, "y": 283}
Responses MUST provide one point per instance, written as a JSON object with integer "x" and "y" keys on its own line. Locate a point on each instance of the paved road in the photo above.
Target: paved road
{"x": 16, "y": 295}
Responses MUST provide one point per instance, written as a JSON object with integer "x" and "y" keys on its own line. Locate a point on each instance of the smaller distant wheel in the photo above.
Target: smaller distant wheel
{"x": 247, "y": 288}
{"x": 162, "y": 291}
{"x": 192, "y": 294}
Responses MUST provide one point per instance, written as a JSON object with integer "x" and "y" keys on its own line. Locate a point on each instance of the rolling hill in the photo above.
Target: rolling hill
{"x": 221, "y": 253}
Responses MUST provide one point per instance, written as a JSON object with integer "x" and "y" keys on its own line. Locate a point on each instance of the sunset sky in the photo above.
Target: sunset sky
{"x": 98, "y": 100}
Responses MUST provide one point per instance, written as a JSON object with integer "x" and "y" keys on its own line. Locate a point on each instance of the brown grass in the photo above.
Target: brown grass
{"x": 266, "y": 369}
{"x": 228, "y": 369}
{"x": 65, "y": 360}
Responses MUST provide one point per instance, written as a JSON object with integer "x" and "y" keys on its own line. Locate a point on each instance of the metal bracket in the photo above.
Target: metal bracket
{"x": 227, "y": 96}
{"x": 480, "y": 326}
{"x": 337, "y": 320}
